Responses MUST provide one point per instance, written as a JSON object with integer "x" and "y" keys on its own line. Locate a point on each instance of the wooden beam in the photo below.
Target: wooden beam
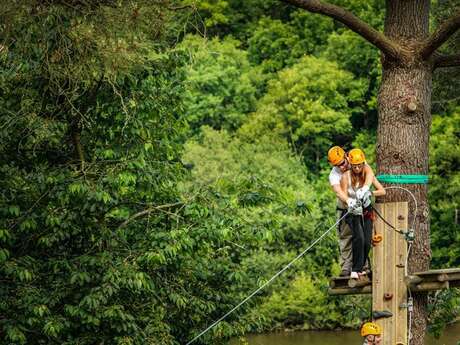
{"x": 389, "y": 290}
{"x": 351, "y": 291}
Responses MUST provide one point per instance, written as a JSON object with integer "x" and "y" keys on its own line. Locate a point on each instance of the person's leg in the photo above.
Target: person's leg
{"x": 367, "y": 232}
{"x": 345, "y": 238}
{"x": 357, "y": 243}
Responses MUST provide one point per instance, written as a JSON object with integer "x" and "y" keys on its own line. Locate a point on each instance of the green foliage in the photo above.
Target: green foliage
{"x": 275, "y": 44}
{"x": 366, "y": 141}
{"x": 309, "y": 104}
{"x": 444, "y": 186}
{"x": 275, "y": 213}
{"x": 305, "y": 304}
{"x": 354, "y": 54}
{"x": 95, "y": 243}
{"x": 444, "y": 307}
{"x": 237, "y": 17}
{"x": 106, "y": 238}
{"x": 446, "y": 81}
{"x": 220, "y": 83}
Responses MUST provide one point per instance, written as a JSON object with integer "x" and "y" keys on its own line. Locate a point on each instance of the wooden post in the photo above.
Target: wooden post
{"x": 389, "y": 290}
{"x": 389, "y": 280}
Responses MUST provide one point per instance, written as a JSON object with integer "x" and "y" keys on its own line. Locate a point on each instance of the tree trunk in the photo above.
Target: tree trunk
{"x": 403, "y": 131}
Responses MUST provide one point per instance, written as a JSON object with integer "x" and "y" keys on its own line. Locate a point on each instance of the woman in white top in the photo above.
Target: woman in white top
{"x": 353, "y": 183}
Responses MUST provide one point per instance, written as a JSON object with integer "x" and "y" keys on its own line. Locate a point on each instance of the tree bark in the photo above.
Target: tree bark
{"x": 403, "y": 131}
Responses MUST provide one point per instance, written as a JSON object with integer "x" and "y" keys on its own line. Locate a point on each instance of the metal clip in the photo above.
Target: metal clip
{"x": 409, "y": 305}
{"x": 409, "y": 235}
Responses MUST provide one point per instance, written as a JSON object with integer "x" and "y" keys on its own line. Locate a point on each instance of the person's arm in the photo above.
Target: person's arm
{"x": 344, "y": 186}
{"x": 369, "y": 173}
{"x": 339, "y": 192}
{"x": 379, "y": 190}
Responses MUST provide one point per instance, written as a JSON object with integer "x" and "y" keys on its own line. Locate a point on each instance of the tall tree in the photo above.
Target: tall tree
{"x": 409, "y": 56}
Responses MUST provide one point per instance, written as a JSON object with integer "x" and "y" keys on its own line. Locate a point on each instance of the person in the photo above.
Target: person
{"x": 339, "y": 161}
{"x": 356, "y": 183}
{"x": 337, "y": 157}
{"x": 372, "y": 333}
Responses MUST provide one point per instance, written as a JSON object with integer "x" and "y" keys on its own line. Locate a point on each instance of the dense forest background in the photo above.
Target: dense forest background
{"x": 163, "y": 159}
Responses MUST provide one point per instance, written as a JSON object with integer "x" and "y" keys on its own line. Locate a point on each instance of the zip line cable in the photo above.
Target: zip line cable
{"x": 270, "y": 280}
{"x": 215, "y": 323}
{"x": 387, "y": 223}
{"x": 413, "y": 198}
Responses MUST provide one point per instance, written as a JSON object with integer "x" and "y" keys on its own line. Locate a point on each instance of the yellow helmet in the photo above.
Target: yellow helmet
{"x": 356, "y": 156}
{"x": 370, "y": 328}
{"x": 335, "y": 155}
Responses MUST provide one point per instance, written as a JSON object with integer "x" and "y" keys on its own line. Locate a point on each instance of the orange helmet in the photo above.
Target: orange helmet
{"x": 356, "y": 156}
{"x": 335, "y": 155}
{"x": 370, "y": 328}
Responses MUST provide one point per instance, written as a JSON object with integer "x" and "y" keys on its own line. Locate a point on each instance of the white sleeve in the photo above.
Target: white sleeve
{"x": 334, "y": 178}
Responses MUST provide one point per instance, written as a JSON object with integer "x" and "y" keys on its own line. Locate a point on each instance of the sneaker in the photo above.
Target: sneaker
{"x": 354, "y": 275}
{"x": 345, "y": 273}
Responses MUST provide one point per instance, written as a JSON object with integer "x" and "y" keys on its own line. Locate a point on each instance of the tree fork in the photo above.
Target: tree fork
{"x": 404, "y": 106}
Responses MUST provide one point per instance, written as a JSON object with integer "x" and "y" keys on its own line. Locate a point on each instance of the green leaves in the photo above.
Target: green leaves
{"x": 220, "y": 83}
{"x": 308, "y": 104}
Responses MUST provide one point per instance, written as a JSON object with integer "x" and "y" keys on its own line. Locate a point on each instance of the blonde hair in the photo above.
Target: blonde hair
{"x": 357, "y": 178}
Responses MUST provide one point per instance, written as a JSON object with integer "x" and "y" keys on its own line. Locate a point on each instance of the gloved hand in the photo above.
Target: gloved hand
{"x": 361, "y": 192}
{"x": 352, "y": 204}
{"x": 367, "y": 198}
{"x": 357, "y": 211}
{"x": 354, "y": 207}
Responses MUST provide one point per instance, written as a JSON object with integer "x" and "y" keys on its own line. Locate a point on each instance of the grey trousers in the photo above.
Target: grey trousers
{"x": 345, "y": 237}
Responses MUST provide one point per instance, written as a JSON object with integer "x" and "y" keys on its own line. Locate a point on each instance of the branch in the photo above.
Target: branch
{"x": 447, "y": 60}
{"x": 441, "y": 35}
{"x": 378, "y": 39}
{"x": 147, "y": 211}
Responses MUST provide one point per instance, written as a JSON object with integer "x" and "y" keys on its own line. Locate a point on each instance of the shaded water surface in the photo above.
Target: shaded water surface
{"x": 450, "y": 337}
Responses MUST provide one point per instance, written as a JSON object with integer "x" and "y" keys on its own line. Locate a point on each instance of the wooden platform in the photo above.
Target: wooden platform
{"x": 347, "y": 286}
{"x": 389, "y": 283}
{"x": 433, "y": 279}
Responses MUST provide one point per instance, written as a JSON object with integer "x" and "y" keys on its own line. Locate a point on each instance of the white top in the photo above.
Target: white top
{"x": 352, "y": 191}
{"x": 335, "y": 175}
{"x": 334, "y": 179}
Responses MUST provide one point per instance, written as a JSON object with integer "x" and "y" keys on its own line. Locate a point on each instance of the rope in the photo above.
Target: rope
{"x": 269, "y": 281}
{"x": 386, "y": 222}
{"x": 403, "y": 179}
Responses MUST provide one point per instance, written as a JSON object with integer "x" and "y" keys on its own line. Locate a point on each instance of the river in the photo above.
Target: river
{"x": 451, "y": 336}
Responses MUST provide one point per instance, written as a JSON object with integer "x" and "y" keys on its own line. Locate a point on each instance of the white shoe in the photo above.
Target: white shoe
{"x": 354, "y": 275}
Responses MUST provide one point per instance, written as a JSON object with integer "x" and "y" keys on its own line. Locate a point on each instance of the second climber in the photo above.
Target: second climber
{"x": 356, "y": 183}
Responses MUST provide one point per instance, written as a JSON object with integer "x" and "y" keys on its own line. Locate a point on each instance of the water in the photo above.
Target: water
{"x": 450, "y": 337}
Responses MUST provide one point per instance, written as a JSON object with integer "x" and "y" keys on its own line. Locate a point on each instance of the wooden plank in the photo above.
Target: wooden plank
{"x": 378, "y": 265}
{"x": 388, "y": 286}
{"x": 401, "y": 254}
{"x": 439, "y": 271}
{"x": 430, "y": 286}
{"x": 389, "y": 274}
{"x": 350, "y": 291}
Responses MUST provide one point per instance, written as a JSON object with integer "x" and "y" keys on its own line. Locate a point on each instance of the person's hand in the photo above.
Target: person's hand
{"x": 367, "y": 198}
{"x": 352, "y": 203}
{"x": 354, "y": 207}
{"x": 361, "y": 192}
{"x": 357, "y": 211}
